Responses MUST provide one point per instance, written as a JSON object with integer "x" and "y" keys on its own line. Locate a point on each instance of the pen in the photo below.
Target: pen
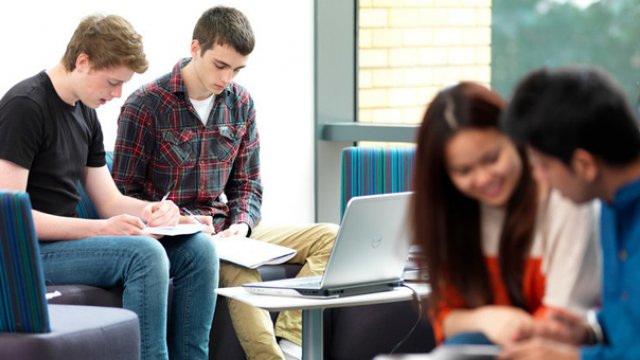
{"x": 193, "y": 216}
{"x": 166, "y": 196}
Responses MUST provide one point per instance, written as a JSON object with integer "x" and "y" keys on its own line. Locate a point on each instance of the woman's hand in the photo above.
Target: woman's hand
{"x": 504, "y": 324}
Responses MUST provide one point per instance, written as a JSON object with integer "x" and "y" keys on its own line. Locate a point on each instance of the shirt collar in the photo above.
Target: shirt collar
{"x": 177, "y": 81}
{"x": 627, "y": 193}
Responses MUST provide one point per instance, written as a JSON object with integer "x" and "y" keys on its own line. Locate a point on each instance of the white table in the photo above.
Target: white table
{"x": 312, "y": 327}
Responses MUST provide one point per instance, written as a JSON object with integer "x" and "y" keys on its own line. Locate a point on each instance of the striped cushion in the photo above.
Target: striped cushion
{"x": 22, "y": 293}
{"x": 375, "y": 170}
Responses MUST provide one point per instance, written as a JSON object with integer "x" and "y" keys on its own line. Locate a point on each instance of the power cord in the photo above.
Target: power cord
{"x": 418, "y": 301}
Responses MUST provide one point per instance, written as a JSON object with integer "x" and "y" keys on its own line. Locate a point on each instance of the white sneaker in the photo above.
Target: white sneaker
{"x": 291, "y": 351}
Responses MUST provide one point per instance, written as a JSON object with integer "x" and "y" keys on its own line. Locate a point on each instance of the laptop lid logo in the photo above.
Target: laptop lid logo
{"x": 376, "y": 241}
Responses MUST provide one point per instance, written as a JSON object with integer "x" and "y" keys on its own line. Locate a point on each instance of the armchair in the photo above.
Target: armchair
{"x": 366, "y": 171}
{"x": 31, "y": 329}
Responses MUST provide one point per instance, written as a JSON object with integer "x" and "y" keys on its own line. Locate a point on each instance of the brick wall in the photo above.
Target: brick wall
{"x": 409, "y": 49}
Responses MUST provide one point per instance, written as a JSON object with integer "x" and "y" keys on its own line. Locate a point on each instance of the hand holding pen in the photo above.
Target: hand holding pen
{"x": 163, "y": 212}
{"x": 204, "y": 220}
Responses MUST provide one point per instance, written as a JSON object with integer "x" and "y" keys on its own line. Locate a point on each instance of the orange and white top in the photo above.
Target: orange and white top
{"x": 563, "y": 270}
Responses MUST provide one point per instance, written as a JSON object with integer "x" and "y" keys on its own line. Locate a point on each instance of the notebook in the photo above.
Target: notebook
{"x": 368, "y": 255}
{"x": 23, "y": 306}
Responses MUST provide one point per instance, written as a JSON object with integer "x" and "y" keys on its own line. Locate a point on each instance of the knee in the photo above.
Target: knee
{"x": 327, "y": 233}
{"x": 204, "y": 247}
{"x": 202, "y": 251}
{"x": 235, "y": 275}
{"x": 148, "y": 255}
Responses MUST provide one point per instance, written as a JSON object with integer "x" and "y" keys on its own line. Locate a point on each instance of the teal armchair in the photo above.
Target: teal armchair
{"x": 375, "y": 170}
{"x": 32, "y": 329}
{"x": 368, "y": 171}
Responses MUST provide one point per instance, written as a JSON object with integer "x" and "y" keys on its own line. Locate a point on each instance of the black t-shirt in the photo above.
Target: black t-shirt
{"x": 52, "y": 139}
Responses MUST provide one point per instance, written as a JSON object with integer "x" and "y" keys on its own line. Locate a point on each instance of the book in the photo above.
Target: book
{"x": 251, "y": 253}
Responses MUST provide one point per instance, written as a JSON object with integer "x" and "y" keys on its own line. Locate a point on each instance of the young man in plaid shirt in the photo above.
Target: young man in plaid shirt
{"x": 193, "y": 132}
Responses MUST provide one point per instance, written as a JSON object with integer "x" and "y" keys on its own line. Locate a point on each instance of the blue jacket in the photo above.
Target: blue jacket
{"x": 619, "y": 315}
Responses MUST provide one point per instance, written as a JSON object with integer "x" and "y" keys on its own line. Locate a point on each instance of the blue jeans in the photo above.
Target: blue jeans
{"x": 142, "y": 266}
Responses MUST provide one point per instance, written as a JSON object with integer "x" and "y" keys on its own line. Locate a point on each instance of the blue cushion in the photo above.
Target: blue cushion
{"x": 375, "y": 170}
{"x": 85, "y": 208}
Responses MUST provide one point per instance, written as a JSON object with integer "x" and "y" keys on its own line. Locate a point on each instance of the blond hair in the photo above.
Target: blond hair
{"x": 108, "y": 41}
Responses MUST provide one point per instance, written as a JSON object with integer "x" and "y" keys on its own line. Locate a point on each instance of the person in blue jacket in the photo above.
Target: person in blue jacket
{"x": 583, "y": 137}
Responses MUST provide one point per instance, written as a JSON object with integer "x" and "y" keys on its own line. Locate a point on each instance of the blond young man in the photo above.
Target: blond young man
{"x": 196, "y": 128}
{"x": 50, "y": 138}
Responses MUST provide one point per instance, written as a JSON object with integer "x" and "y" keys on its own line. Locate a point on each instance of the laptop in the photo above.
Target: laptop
{"x": 23, "y": 304}
{"x": 368, "y": 255}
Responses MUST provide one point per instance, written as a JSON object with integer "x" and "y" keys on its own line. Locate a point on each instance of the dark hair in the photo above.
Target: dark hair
{"x": 559, "y": 111}
{"x": 224, "y": 26}
{"x": 446, "y": 223}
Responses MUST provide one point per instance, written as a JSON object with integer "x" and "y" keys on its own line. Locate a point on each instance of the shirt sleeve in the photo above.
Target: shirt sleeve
{"x": 134, "y": 144}
{"x": 571, "y": 260}
{"x": 450, "y": 301}
{"x": 21, "y": 131}
{"x": 631, "y": 350}
{"x": 244, "y": 187}
{"x": 96, "y": 155}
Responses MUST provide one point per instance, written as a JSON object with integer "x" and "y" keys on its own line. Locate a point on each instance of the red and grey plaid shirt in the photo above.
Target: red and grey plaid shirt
{"x": 162, "y": 146}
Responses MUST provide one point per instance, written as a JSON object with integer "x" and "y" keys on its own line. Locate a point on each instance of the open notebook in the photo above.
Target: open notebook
{"x": 369, "y": 253}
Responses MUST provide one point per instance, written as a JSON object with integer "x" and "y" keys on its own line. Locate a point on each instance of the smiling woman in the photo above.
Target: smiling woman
{"x": 499, "y": 244}
{"x": 484, "y": 165}
{"x": 166, "y": 35}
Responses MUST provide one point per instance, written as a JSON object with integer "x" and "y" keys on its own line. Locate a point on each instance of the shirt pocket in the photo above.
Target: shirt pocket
{"x": 223, "y": 143}
{"x": 177, "y": 146}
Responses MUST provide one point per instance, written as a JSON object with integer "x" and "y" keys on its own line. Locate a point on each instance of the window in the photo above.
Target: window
{"x": 409, "y": 49}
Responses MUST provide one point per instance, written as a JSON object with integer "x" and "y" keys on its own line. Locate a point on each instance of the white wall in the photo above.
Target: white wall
{"x": 279, "y": 74}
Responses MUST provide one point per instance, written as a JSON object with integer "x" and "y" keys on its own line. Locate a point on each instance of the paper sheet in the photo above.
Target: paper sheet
{"x": 180, "y": 229}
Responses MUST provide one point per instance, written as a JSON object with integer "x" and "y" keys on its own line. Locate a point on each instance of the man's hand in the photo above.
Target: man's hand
{"x": 539, "y": 348}
{"x": 162, "y": 213}
{"x": 240, "y": 229}
{"x": 121, "y": 225}
{"x": 504, "y": 324}
{"x": 203, "y": 219}
{"x": 562, "y": 326}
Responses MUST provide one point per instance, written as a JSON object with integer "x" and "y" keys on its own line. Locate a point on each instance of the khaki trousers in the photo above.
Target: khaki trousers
{"x": 253, "y": 325}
